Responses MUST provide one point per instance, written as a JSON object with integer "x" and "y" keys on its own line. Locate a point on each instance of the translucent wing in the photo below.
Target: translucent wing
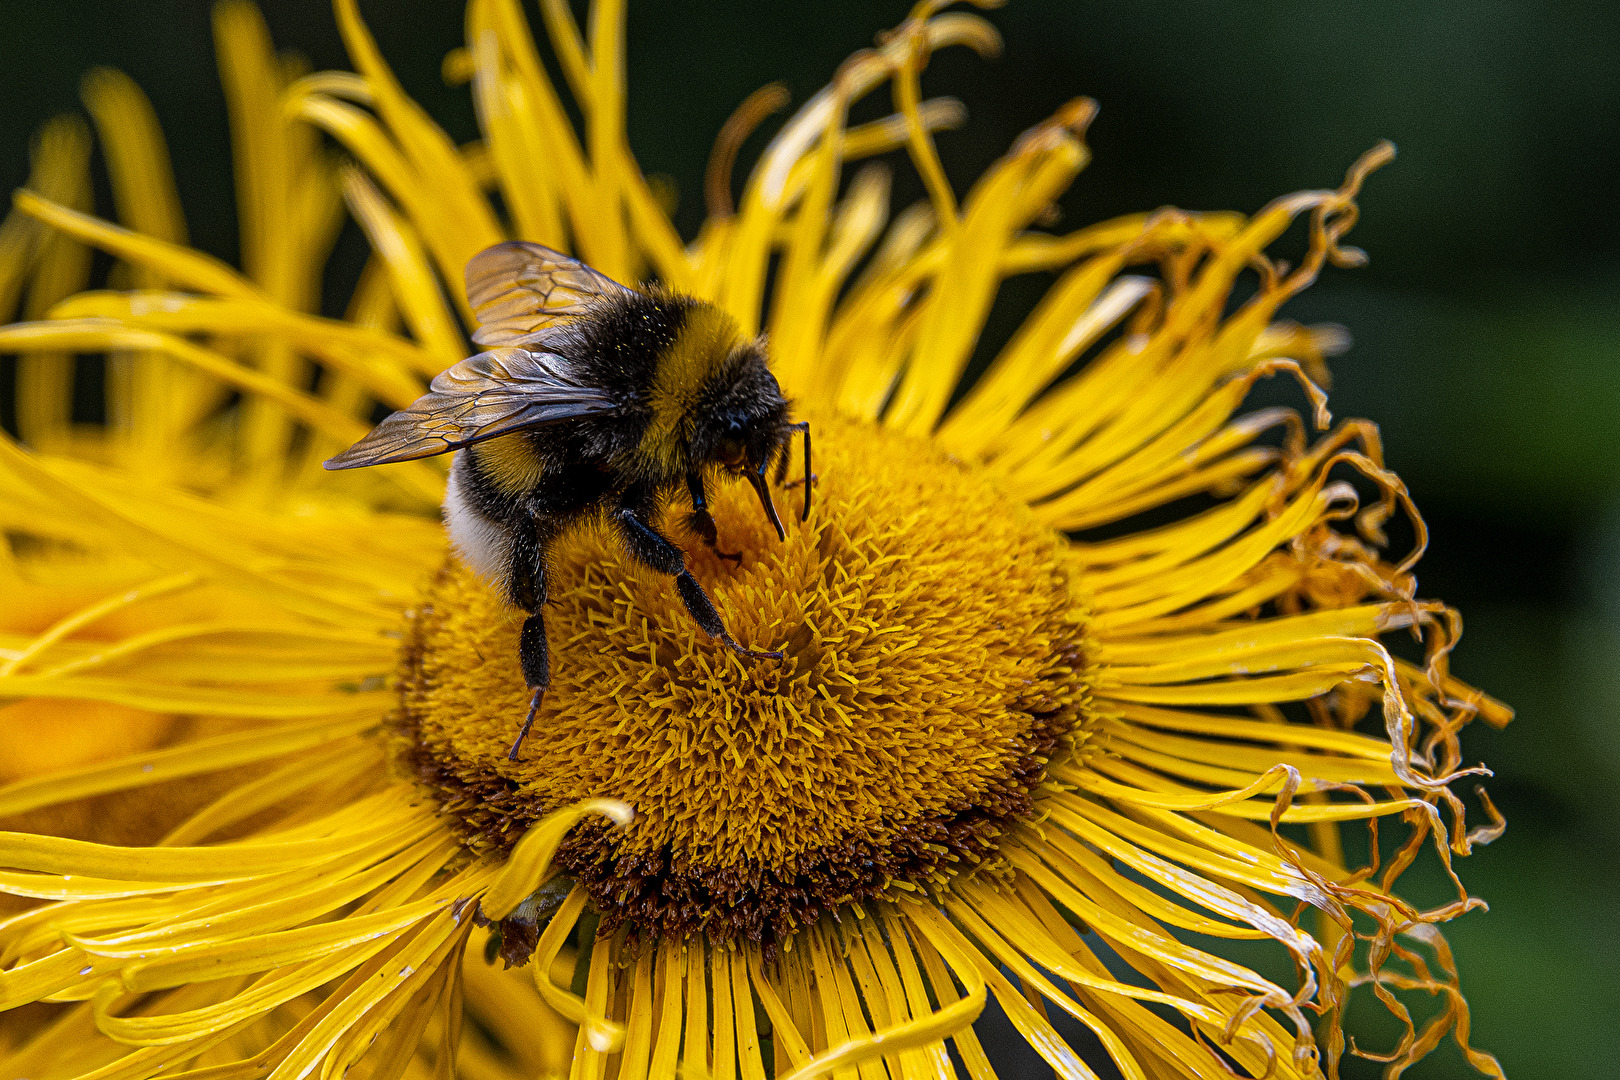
{"x": 518, "y": 290}
{"x": 490, "y": 394}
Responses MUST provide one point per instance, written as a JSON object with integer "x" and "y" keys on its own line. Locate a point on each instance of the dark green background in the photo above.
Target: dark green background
{"x": 1487, "y": 326}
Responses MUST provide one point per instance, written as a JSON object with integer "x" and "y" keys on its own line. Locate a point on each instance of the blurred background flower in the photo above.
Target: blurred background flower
{"x": 1486, "y": 336}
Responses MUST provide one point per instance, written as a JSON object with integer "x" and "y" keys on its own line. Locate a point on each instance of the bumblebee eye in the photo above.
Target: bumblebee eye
{"x": 733, "y": 448}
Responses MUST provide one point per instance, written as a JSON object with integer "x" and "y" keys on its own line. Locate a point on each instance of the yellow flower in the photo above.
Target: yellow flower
{"x": 1083, "y": 668}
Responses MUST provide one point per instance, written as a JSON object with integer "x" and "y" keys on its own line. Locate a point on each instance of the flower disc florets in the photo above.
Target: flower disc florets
{"x": 934, "y": 661}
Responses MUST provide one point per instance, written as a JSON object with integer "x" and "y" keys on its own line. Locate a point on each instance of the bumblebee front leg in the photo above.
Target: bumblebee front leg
{"x": 650, "y": 547}
{"x": 701, "y": 522}
{"x": 528, "y": 591}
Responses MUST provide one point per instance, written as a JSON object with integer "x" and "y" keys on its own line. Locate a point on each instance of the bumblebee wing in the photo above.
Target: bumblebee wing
{"x": 518, "y": 290}
{"x": 490, "y": 394}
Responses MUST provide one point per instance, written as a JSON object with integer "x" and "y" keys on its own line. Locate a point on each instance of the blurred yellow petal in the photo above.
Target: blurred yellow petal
{"x": 181, "y": 265}
{"x": 415, "y": 290}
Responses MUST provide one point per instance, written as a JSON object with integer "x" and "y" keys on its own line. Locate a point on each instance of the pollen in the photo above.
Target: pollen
{"x": 935, "y": 659}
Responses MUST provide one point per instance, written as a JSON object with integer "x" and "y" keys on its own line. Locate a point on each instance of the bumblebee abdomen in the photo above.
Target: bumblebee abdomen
{"x": 511, "y": 464}
{"x": 478, "y": 532}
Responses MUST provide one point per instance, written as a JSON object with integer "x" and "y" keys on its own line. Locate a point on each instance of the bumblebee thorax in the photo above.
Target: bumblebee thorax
{"x": 687, "y": 374}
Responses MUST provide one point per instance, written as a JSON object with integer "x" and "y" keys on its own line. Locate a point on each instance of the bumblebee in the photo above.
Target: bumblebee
{"x": 593, "y": 399}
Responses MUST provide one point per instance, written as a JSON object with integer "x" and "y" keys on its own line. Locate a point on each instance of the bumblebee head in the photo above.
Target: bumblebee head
{"x": 744, "y": 424}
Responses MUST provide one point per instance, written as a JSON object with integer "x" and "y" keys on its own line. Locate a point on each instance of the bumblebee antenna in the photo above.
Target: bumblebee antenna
{"x": 804, "y": 426}
{"x": 757, "y": 478}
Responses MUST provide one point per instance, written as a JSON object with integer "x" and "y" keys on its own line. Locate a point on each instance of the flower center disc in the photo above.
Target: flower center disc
{"x": 934, "y": 661}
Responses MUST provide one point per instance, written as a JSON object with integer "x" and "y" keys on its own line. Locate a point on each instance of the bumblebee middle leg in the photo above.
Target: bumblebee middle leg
{"x": 652, "y": 548}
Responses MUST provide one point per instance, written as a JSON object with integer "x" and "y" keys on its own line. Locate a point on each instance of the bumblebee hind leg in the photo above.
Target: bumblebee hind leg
{"x": 535, "y": 657}
{"x": 528, "y": 591}
{"x": 650, "y": 547}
